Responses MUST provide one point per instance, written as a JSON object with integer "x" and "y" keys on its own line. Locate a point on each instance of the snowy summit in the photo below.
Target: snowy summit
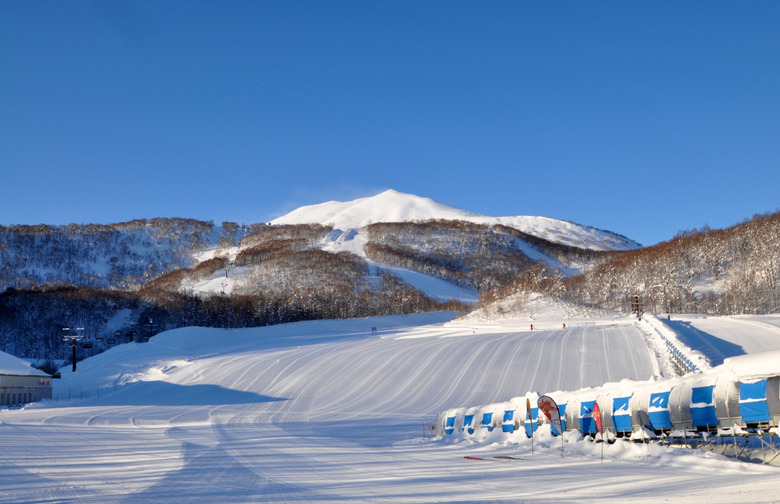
{"x": 394, "y": 206}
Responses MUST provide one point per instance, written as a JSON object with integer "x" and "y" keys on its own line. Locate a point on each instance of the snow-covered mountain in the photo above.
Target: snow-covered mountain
{"x": 429, "y": 245}
{"x": 394, "y": 206}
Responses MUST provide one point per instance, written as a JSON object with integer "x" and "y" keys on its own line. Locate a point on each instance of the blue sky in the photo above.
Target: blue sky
{"x": 644, "y": 118}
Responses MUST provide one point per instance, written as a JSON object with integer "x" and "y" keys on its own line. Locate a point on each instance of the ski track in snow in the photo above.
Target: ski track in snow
{"x": 333, "y": 412}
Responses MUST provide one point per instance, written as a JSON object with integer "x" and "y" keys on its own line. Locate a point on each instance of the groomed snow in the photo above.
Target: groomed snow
{"x": 335, "y": 411}
{"x": 724, "y": 337}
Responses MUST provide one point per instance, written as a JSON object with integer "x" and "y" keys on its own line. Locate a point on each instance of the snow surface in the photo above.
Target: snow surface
{"x": 724, "y": 337}
{"x": 394, "y": 206}
{"x": 336, "y": 411}
{"x": 14, "y": 366}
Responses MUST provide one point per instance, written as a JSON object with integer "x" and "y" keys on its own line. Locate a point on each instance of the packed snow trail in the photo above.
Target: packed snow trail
{"x": 721, "y": 337}
{"x": 330, "y": 411}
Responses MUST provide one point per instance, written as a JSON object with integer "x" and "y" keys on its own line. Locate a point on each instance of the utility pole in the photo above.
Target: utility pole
{"x": 151, "y": 325}
{"x": 73, "y": 338}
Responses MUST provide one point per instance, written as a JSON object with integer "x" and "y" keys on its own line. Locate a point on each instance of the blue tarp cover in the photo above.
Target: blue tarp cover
{"x": 535, "y": 424}
{"x": 587, "y": 423}
{"x": 449, "y": 427}
{"x": 659, "y": 411}
{"x": 509, "y": 421}
{"x": 487, "y": 421}
{"x": 703, "y": 407}
{"x": 467, "y": 423}
{"x": 562, "y": 413}
{"x": 621, "y": 415}
{"x": 752, "y": 402}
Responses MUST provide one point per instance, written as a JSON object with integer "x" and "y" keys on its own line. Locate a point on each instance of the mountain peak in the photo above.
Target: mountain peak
{"x": 387, "y": 206}
{"x": 395, "y": 206}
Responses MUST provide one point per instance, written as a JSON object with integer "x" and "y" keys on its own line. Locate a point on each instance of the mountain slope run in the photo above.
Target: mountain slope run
{"x": 333, "y": 411}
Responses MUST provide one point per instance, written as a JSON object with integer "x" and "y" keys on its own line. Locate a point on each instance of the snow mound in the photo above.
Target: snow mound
{"x": 754, "y": 366}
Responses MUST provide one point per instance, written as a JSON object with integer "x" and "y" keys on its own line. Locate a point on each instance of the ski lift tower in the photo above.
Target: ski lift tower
{"x": 150, "y": 325}
{"x": 73, "y": 338}
{"x": 636, "y": 304}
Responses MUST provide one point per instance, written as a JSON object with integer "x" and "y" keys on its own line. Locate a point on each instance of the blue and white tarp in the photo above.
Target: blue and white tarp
{"x": 658, "y": 411}
{"x": 449, "y": 426}
{"x": 487, "y": 421}
{"x": 703, "y": 407}
{"x": 587, "y": 422}
{"x": 468, "y": 423}
{"x": 562, "y": 412}
{"x": 508, "y": 425}
{"x": 752, "y": 402}
{"x": 621, "y": 414}
{"x": 530, "y": 427}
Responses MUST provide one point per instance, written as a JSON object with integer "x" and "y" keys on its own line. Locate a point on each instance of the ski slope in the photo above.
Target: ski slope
{"x": 722, "y": 337}
{"x": 335, "y": 411}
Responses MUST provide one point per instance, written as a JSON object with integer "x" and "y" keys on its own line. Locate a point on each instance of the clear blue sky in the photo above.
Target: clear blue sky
{"x": 643, "y": 118}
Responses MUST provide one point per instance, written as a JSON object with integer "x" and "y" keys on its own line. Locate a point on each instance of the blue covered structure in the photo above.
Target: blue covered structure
{"x": 742, "y": 398}
{"x": 621, "y": 414}
{"x": 753, "y": 404}
{"x": 468, "y": 423}
{"x": 587, "y": 422}
{"x": 531, "y": 426}
{"x": 658, "y": 412}
{"x": 703, "y": 413}
{"x": 562, "y": 413}
{"x": 449, "y": 426}
{"x": 487, "y": 421}
{"x": 508, "y": 423}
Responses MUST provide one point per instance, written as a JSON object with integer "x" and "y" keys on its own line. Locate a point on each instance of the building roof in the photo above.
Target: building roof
{"x": 14, "y": 366}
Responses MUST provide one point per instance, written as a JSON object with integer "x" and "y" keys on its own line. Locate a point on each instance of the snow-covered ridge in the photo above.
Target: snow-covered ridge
{"x": 394, "y": 206}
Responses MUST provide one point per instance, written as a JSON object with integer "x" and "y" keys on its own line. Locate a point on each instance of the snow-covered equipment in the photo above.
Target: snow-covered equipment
{"x": 658, "y": 411}
{"x": 759, "y": 402}
{"x": 621, "y": 414}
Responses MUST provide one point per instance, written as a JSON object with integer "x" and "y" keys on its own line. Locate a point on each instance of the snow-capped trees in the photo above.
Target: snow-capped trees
{"x": 467, "y": 254}
{"x": 708, "y": 271}
{"x": 120, "y": 256}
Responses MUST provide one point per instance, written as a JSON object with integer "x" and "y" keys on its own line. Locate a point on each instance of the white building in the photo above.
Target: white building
{"x": 21, "y": 383}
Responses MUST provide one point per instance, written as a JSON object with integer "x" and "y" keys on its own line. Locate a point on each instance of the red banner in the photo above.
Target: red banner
{"x": 551, "y": 411}
{"x": 597, "y": 418}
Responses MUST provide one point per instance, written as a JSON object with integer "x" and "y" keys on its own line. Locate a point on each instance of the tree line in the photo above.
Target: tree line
{"x": 719, "y": 272}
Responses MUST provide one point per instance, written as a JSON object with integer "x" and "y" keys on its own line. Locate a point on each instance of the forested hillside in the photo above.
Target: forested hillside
{"x": 121, "y": 256}
{"x": 477, "y": 256}
{"x": 729, "y": 271}
{"x": 132, "y": 280}
{"x": 279, "y": 275}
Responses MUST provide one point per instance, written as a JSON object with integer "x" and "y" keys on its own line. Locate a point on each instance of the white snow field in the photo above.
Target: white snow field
{"x": 723, "y": 337}
{"x": 335, "y": 411}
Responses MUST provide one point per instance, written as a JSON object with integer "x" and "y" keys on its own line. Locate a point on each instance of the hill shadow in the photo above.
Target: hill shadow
{"x": 714, "y": 348}
{"x": 160, "y": 393}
